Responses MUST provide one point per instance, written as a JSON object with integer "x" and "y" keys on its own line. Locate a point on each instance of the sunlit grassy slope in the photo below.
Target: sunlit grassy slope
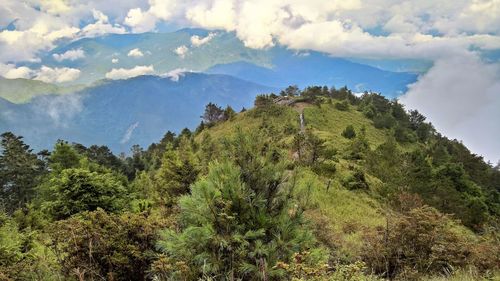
{"x": 345, "y": 214}
{"x": 341, "y": 217}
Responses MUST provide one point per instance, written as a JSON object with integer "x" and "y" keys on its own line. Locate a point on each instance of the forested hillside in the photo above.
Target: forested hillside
{"x": 313, "y": 184}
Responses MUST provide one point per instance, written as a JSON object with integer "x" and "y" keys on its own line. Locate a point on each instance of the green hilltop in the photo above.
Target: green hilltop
{"x": 24, "y": 90}
{"x": 317, "y": 184}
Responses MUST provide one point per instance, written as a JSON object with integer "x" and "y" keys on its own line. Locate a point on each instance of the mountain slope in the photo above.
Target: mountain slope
{"x": 353, "y": 182}
{"x": 22, "y": 90}
{"x": 125, "y": 112}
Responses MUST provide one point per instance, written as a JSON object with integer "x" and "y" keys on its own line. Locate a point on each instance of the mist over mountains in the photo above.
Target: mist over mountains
{"x": 125, "y": 112}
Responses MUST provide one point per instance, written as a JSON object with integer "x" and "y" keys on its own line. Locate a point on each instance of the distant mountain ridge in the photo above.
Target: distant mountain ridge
{"x": 125, "y": 112}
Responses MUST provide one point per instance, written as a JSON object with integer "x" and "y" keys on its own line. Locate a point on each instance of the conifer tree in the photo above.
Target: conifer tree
{"x": 239, "y": 220}
{"x": 20, "y": 170}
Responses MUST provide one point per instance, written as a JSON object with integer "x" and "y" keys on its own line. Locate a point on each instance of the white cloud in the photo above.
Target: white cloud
{"x": 181, "y": 51}
{"x": 114, "y": 60}
{"x": 219, "y": 14}
{"x": 410, "y": 29}
{"x": 140, "y": 21}
{"x": 136, "y": 53}
{"x": 71, "y": 55}
{"x": 124, "y": 73}
{"x": 460, "y": 95}
{"x": 101, "y": 26}
{"x": 262, "y": 23}
{"x": 10, "y": 71}
{"x": 57, "y": 75}
{"x": 175, "y": 74}
{"x": 198, "y": 41}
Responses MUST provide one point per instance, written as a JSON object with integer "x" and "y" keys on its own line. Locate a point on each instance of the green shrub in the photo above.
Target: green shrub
{"x": 355, "y": 180}
{"x": 343, "y": 105}
{"x": 384, "y": 121}
{"x": 349, "y": 132}
{"x": 421, "y": 241}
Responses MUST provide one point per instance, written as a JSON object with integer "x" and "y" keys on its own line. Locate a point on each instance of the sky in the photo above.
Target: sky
{"x": 460, "y": 93}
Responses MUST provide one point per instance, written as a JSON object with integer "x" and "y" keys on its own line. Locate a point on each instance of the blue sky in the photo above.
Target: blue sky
{"x": 460, "y": 93}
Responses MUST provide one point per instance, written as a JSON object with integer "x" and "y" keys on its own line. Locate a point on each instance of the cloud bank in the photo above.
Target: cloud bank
{"x": 124, "y": 73}
{"x": 367, "y": 28}
{"x": 71, "y": 55}
{"x": 45, "y": 73}
{"x": 461, "y": 97}
{"x": 57, "y": 75}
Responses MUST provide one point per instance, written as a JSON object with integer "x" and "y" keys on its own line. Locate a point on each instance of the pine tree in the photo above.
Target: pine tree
{"x": 20, "y": 170}
{"x": 213, "y": 114}
{"x": 177, "y": 172}
{"x": 239, "y": 220}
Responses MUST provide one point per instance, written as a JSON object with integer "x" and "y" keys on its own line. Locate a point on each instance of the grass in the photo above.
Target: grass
{"x": 465, "y": 275}
{"x": 329, "y": 123}
{"x": 347, "y": 214}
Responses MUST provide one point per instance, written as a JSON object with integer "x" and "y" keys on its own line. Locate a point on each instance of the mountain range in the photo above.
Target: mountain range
{"x": 125, "y": 112}
{"x": 186, "y": 70}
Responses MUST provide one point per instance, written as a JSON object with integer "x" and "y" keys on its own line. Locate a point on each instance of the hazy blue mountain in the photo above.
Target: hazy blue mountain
{"x": 313, "y": 68}
{"x": 124, "y": 112}
{"x": 225, "y": 54}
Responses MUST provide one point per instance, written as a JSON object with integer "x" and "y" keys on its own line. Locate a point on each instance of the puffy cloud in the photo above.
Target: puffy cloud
{"x": 124, "y": 73}
{"x": 140, "y": 21}
{"x": 114, "y": 60}
{"x": 101, "y": 26}
{"x": 57, "y": 75}
{"x": 136, "y": 53}
{"x": 10, "y": 71}
{"x": 460, "y": 95}
{"x": 407, "y": 29}
{"x": 45, "y": 73}
{"x": 40, "y": 24}
{"x": 198, "y": 41}
{"x": 71, "y": 55}
{"x": 181, "y": 51}
{"x": 54, "y": 6}
{"x": 23, "y": 45}
{"x": 145, "y": 20}
{"x": 220, "y": 14}
{"x": 401, "y": 25}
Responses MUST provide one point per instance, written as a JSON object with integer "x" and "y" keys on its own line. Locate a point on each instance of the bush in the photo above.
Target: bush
{"x": 420, "y": 241}
{"x": 403, "y": 135}
{"x": 308, "y": 266}
{"x": 93, "y": 245}
{"x": 349, "y": 132}
{"x": 343, "y": 105}
{"x": 384, "y": 121}
{"x": 355, "y": 180}
{"x": 78, "y": 189}
{"x": 326, "y": 168}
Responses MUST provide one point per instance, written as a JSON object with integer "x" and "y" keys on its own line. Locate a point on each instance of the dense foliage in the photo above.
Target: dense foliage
{"x": 313, "y": 184}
